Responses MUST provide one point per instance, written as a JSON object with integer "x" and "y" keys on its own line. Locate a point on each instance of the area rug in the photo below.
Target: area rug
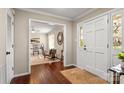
{"x": 79, "y": 76}
{"x": 39, "y": 59}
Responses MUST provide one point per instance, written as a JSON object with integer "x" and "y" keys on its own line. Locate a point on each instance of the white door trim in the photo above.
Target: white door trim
{"x": 65, "y": 45}
{"x": 10, "y": 13}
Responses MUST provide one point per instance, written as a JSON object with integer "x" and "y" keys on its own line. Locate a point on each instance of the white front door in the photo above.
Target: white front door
{"x": 9, "y": 46}
{"x": 94, "y": 50}
{"x": 101, "y": 46}
{"x": 89, "y": 45}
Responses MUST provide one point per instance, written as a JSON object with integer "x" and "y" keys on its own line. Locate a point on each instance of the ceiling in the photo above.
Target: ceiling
{"x": 66, "y": 13}
{"x": 44, "y": 28}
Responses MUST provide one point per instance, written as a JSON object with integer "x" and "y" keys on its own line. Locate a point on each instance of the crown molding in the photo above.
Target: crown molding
{"x": 44, "y": 13}
{"x": 84, "y": 14}
{"x": 61, "y": 17}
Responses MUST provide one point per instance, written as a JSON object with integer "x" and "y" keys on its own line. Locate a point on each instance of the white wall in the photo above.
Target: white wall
{"x": 2, "y": 44}
{"x": 22, "y": 35}
{"x": 57, "y": 46}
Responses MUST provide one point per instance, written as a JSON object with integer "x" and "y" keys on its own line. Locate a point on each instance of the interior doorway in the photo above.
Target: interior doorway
{"x": 46, "y": 42}
{"x": 9, "y": 45}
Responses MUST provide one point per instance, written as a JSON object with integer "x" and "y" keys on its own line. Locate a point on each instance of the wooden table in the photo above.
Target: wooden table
{"x": 117, "y": 72}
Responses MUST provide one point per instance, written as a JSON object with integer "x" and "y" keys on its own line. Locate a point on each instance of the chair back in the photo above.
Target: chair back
{"x": 35, "y": 48}
{"x": 42, "y": 48}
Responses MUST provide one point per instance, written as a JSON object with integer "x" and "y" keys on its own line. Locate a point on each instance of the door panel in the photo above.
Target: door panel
{"x": 101, "y": 41}
{"x": 95, "y": 46}
{"x": 9, "y": 47}
{"x": 90, "y": 59}
{"x": 89, "y": 45}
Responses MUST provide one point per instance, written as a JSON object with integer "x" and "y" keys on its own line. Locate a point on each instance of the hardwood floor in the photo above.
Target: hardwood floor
{"x": 44, "y": 74}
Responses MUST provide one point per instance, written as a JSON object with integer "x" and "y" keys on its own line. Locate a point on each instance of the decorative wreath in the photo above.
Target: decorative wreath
{"x": 60, "y": 38}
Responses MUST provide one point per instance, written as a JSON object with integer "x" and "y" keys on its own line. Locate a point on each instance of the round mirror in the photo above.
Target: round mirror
{"x": 60, "y": 38}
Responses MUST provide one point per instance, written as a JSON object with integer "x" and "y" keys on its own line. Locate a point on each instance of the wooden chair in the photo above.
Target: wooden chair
{"x": 62, "y": 55}
{"x": 44, "y": 53}
{"x": 53, "y": 54}
{"x": 35, "y": 49}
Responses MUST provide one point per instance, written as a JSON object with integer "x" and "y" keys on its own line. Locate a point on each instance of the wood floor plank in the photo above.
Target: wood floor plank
{"x": 44, "y": 74}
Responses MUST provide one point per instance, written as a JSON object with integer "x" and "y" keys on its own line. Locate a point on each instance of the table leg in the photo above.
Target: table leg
{"x": 118, "y": 78}
{"x": 114, "y": 77}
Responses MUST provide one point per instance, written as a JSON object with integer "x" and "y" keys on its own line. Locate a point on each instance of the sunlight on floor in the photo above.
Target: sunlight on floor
{"x": 39, "y": 59}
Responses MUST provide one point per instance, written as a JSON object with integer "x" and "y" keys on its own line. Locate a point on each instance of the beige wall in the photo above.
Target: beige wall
{"x": 2, "y": 35}
{"x": 21, "y": 38}
{"x": 2, "y": 45}
{"x": 93, "y": 14}
{"x": 57, "y": 46}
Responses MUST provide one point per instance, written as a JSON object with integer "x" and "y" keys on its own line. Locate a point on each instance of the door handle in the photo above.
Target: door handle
{"x": 85, "y": 47}
{"x": 7, "y": 53}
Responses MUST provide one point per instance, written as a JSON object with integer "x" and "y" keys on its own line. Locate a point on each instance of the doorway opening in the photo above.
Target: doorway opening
{"x": 46, "y": 42}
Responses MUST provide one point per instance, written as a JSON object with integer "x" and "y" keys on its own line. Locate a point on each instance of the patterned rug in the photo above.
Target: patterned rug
{"x": 39, "y": 59}
{"x": 79, "y": 76}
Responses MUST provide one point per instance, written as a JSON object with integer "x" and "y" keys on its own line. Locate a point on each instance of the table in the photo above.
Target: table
{"x": 117, "y": 72}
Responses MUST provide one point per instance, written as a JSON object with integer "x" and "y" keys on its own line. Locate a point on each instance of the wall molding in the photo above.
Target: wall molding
{"x": 44, "y": 13}
{"x": 2, "y": 74}
{"x": 85, "y": 14}
{"x": 69, "y": 65}
{"x": 21, "y": 74}
{"x": 57, "y": 16}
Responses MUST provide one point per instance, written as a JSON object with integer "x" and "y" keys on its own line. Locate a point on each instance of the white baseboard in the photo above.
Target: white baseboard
{"x": 79, "y": 66}
{"x": 2, "y": 74}
{"x": 22, "y": 74}
{"x": 69, "y": 65}
{"x": 74, "y": 65}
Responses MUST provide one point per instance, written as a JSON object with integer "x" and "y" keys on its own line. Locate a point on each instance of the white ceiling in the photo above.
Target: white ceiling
{"x": 44, "y": 28}
{"x": 66, "y": 13}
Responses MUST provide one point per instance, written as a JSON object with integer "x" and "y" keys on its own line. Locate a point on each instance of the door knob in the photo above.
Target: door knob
{"x": 7, "y": 53}
{"x": 85, "y": 47}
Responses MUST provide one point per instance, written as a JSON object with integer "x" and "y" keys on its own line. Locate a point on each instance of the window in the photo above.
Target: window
{"x": 51, "y": 41}
{"x": 81, "y": 43}
{"x": 117, "y": 31}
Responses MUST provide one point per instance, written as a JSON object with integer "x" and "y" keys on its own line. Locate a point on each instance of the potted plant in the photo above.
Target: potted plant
{"x": 121, "y": 56}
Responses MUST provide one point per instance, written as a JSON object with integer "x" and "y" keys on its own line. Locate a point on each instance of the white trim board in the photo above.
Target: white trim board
{"x": 44, "y": 13}
{"x": 84, "y": 14}
{"x": 22, "y": 74}
{"x": 69, "y": 65}
{"x": 2, "y": 74}
{"x": 61, "y": 17}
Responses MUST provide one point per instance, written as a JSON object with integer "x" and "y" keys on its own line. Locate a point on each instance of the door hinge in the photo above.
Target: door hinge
{"x": 107, "y": 45}
{"x": 107, "y": 21}
{"x": 12, "y": 23}
{"x": 12, "y": 45}
{"x": 13, "y": 68}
